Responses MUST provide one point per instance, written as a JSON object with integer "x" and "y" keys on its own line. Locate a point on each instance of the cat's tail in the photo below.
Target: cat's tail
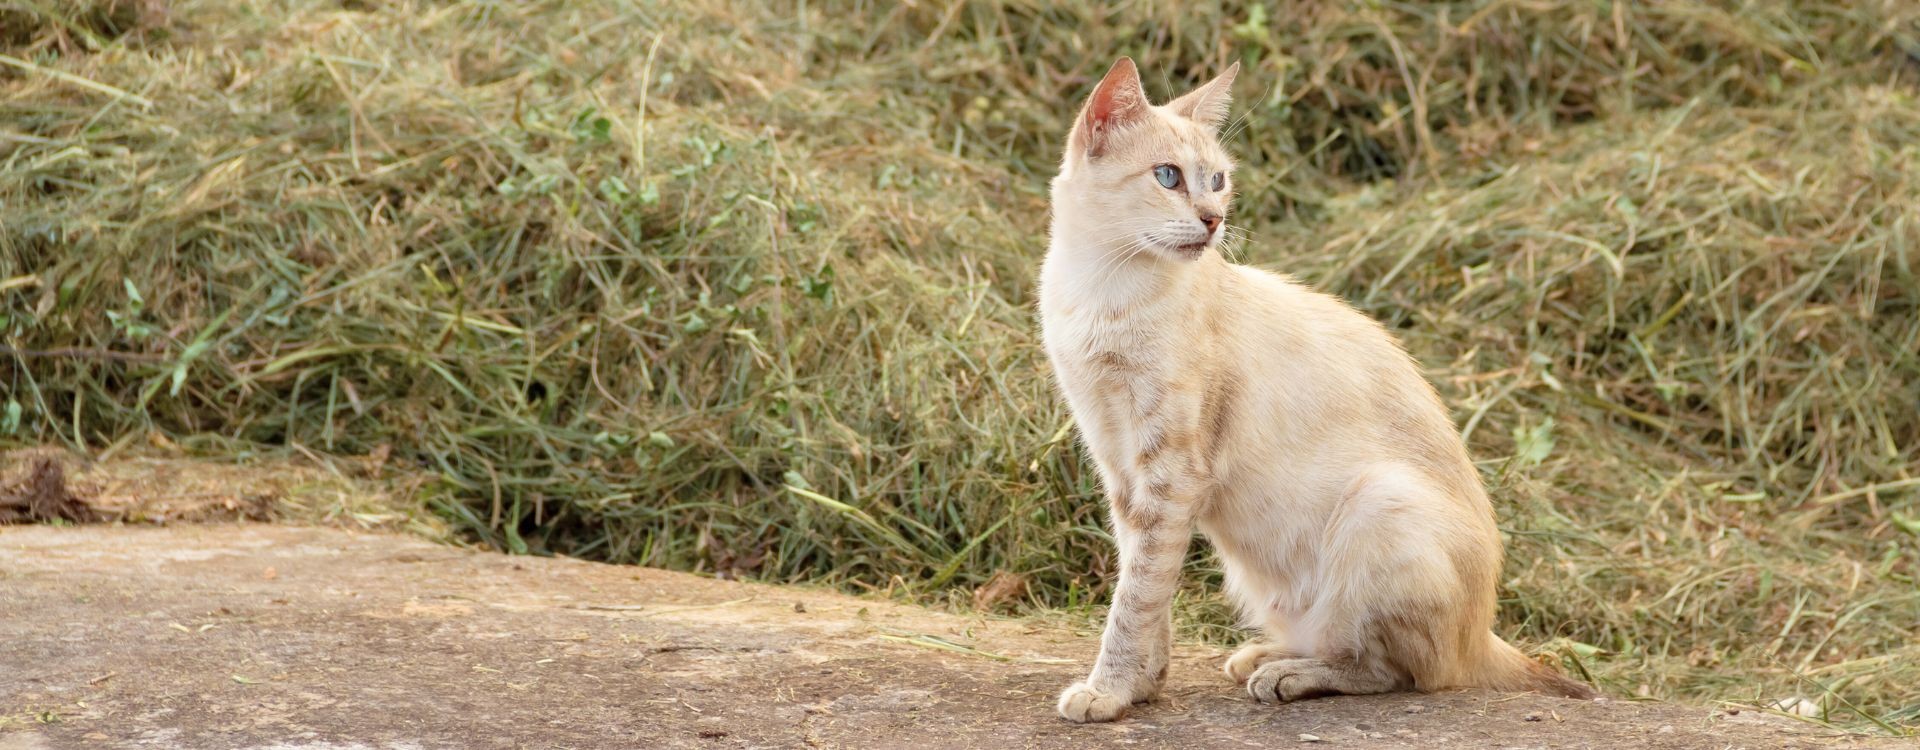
{"x": 1509, "y": 670}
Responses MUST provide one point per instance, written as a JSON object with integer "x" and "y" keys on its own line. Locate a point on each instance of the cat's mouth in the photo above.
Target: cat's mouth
{"x": 1182, "y": 250}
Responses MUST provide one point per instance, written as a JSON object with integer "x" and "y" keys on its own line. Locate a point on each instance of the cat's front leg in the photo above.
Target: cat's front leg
{"x": 1152, "y": 534}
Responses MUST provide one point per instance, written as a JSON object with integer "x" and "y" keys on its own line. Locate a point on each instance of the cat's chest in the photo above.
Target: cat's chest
{"x": 1096, "y": 348}
{"x": 1116, "y": 338}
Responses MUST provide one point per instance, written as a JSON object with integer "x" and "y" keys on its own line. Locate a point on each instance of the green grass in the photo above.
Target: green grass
{"x": 745, "y": 287}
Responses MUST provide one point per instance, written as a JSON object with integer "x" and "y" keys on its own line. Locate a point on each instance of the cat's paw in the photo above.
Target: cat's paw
{"x": 1289, "y": 680}
{"x": 1082, "y": 703}
{"x": 1242, "y": 664}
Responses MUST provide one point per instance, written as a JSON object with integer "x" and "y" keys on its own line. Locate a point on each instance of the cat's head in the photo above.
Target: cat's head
{"x": 1143, "y": 176}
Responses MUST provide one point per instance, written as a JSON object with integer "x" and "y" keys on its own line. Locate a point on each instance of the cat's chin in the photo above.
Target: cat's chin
{"x": 1190, "y": 251}
{"x": 1185, "y": 251}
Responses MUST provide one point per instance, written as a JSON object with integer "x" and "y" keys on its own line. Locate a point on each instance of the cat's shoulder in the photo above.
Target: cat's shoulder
{"x": 1265, "y": 283}
{"x": 1284, "y": 295}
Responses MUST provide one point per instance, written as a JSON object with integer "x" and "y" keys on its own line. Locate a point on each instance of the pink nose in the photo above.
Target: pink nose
{"x": 1211, "y": 220}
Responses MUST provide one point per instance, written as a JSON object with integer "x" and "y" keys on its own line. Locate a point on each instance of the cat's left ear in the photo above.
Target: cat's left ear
{"x": 1209, "y": 104}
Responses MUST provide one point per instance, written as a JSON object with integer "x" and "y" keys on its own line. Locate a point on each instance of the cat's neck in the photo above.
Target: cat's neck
{"x": 1120, "y": 275}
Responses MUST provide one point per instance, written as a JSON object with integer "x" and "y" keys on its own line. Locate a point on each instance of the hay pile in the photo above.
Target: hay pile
{"x": 744, "y": 287}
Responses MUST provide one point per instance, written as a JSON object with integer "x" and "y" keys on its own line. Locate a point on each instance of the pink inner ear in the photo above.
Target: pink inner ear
{"x": 1116, "y": 98}
{"x": 1112, "y": 99}
{"x": 1100, "y": 109}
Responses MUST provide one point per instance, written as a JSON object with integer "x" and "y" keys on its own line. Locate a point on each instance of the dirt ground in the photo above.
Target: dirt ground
{"x": 262, "y": 636}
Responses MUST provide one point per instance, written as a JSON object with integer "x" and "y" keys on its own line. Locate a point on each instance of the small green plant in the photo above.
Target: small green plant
{"x": 127, "y": 320}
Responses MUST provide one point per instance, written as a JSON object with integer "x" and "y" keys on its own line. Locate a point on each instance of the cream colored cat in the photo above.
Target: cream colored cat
{"x": 1291, "y": 429}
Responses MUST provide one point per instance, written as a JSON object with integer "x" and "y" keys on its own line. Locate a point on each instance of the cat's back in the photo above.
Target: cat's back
{"x": 1321, "y": 361}
{"x": 1291, "y": 314}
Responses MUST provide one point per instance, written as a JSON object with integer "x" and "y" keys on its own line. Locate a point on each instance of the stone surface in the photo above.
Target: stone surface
{"x": 257, "y": 636}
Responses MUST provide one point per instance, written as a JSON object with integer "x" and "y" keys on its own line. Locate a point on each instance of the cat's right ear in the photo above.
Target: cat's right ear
{"x": 1116, "y": 102}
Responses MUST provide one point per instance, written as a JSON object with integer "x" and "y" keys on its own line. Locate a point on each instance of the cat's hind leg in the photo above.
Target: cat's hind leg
{"x": 1390, "y": 607}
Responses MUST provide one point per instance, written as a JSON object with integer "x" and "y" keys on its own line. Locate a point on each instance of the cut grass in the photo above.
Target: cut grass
{"x": 745, "y": 287}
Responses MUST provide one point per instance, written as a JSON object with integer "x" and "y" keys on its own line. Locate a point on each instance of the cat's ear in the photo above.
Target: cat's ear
{"x": 1208, "y": 105}
{"x": 1116, "y": 102}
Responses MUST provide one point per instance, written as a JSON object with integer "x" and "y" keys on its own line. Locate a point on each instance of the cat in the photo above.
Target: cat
{"x": 1291, "y": 429}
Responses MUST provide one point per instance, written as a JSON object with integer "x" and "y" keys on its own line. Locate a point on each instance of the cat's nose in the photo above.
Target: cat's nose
{"x": 1212, "y": 221}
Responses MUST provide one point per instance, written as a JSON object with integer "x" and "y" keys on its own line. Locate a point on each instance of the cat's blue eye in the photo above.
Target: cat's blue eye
{"x": 1168, "y": 175}
{"x": 1219, "y": 181}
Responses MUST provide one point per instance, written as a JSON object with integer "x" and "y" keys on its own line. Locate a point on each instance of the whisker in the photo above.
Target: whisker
{"x": 1134, "y": 249}
{"x": 1114, "y": 252}
{"x": 1245, "y": 117}
{"x": 1236, "y": 236}
{"x": 1118, "y": 265}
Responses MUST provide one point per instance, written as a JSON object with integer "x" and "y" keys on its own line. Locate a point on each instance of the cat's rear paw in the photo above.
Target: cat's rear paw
{"x": 1081, "y": 703}
{"x": 1289, "y": 680}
